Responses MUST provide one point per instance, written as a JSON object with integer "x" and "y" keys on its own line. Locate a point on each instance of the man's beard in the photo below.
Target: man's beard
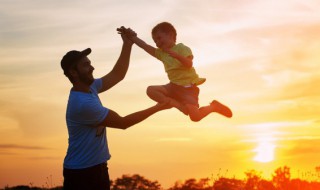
{"x": 88, "y": 80}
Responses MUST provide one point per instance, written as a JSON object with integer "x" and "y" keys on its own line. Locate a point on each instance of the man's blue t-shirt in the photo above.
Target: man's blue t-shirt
{"x": 84, "y": 112}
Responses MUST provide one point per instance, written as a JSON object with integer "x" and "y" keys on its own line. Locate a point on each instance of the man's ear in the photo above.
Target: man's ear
{"x": 73, "y": 72}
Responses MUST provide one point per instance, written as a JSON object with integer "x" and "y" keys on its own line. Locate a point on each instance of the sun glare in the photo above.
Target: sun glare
{"x": 264, "y": 152}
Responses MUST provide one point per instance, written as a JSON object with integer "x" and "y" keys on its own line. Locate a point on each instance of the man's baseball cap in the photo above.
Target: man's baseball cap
{"x": 71, "y": 58}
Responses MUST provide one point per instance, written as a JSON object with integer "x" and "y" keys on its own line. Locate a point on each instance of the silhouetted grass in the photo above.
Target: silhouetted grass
{"x": 281, "y": 180}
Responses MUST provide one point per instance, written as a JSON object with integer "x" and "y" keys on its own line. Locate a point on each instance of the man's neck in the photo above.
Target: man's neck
{"x": 80, "y": 87}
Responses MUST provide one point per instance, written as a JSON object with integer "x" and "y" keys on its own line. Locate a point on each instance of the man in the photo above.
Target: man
{"x": 85, "y": 162}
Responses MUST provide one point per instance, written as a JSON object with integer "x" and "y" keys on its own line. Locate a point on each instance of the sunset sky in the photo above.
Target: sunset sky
{"x": 262, "y": 58}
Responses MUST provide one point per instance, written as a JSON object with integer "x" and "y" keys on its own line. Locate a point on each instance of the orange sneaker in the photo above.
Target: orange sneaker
{"x": 221, "y": 109}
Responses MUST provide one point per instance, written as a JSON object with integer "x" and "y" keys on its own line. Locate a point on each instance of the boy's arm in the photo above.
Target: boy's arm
{"x": 186, "y": 61}
{"x": 132, "y": 35}
{"x": 148, "y": 48}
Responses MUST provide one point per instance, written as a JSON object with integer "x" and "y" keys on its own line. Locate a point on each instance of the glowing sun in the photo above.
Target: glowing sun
{"x": 264, "y": 152}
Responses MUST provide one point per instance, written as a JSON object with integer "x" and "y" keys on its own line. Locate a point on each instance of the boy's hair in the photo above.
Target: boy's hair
{"x": 165, "y": 27}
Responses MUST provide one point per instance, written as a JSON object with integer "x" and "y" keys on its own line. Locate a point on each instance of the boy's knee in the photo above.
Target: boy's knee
{"x": 194, "y": 113}
{"x": 149, "y": 90}
{"x": 195, "y": 117}
{"x": 155, "y": 89}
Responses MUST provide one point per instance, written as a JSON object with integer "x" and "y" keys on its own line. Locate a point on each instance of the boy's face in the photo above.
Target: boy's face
{"x": 163, "y": 40}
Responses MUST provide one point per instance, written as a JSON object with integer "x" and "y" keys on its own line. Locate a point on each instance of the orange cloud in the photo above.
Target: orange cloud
{"x": 25, "y": 147}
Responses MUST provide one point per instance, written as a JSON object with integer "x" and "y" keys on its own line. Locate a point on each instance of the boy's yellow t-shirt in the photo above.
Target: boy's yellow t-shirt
{"x": 177, "y": 72}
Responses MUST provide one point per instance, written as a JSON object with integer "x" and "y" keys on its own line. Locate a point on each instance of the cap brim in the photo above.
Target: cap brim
{"x": 85, "y": 52}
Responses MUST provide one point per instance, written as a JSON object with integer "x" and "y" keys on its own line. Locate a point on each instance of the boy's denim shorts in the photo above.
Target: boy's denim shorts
{"x": 184, "y": 95}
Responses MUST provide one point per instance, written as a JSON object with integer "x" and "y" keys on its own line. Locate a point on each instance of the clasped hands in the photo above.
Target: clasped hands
{"x": 128, "y": 32}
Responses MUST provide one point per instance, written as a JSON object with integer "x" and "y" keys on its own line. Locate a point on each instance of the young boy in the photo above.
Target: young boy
{"x": 182, "y": 92}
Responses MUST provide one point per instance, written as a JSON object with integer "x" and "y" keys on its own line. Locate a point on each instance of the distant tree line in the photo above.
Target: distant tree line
{"x": 281, "y": 180}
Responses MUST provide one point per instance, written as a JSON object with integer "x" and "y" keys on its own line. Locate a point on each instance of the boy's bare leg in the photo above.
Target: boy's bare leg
{"x": 196, "y": 114}
{"x": 178, "y": 105}
{"x": 160, "y": 94}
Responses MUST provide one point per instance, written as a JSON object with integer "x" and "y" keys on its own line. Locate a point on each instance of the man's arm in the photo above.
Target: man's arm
{"x": 120, "y": 68}
{"x": 114, "y": 120}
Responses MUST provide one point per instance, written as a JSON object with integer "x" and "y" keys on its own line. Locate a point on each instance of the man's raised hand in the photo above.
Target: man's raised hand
{"x": 126, "y": 31}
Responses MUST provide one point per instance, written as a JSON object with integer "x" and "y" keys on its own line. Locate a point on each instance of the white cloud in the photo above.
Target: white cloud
{"x": 277, "y": 124}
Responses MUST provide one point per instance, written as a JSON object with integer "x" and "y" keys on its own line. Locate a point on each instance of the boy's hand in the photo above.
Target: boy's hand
{"x": 130, "y": 33}
{"x": 171, "y": 53}
{"x": 186, "y": 61}
{"x": 126, "y": 31}
{"x": 123, "y": 32}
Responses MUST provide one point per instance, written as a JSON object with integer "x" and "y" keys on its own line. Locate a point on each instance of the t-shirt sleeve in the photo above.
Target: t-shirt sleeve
{"x": 159, "y": 53}
{"x": 184, "y": 50}
{"x": 96, "y": 85}
{"x": 181, "y": 49}
{"x": 92, "y": 113}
